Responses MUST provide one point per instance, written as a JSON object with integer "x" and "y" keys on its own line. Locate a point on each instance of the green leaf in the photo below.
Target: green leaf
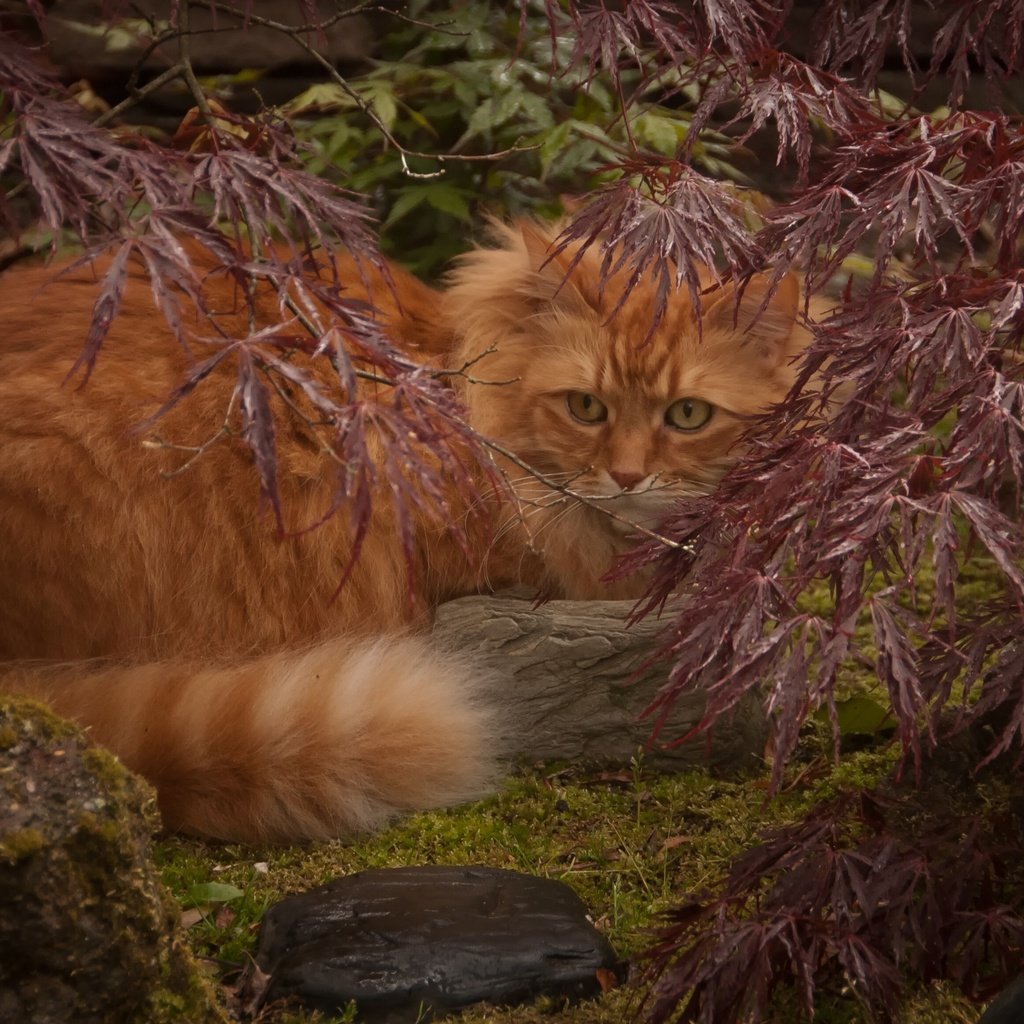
{"x": 861, "y": 716}
{"x": 479, "y": 44}
{"x": 476, "y": 74}
{"x": 419, "y": 119}
{"x": 449, "y": 199}
{"x": 380, "y": 98}
{"x": 587, "y": 143}
{"x": 662, "y": 134}
{"x": 339, "y": 138}
{"x": 601, "y": 97}
{"x": 552, "y": 146}
{"x": 408, "y": 199}
{"x": 493, "y": 113}
{"x": 213, "y": 892}
{"x": 482, "y": 120}
{"x": 540, "y": 76}
{"x": 538, "y": 110}
{"x": 319, "y": 98}
{"x": 465, "y": 93}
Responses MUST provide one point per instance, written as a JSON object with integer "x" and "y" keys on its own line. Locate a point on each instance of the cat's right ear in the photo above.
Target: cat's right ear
{"x": 763, "y": 319}
{"x": 552, "y": 280}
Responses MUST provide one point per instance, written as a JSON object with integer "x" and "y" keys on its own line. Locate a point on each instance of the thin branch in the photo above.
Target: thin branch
{"x": 185, "y": 60}
{"x": 461, "y": 371}
{"x": 156, "y": 41}
{"x": 585, "y": 499}
{"x": 140, "y": 93}
{"x": 342, "y": 83}
{"x": 589, "y": 500}
{"x": 196, "y": 451}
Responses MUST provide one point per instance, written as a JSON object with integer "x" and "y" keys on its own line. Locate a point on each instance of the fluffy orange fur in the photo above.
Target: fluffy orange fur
{"x": 260, "y": 707}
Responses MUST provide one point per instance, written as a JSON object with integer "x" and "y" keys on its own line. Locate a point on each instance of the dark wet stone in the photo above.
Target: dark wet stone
{"x": 402, "y": 939}
{"x": 1007, "y": 1007}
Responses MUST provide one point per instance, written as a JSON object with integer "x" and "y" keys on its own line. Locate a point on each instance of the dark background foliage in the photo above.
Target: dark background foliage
{"x": 663, "y": 115}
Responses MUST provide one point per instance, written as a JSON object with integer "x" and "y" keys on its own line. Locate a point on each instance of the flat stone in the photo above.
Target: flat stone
{"x": 1007, "y": 1007}
{"x": 403, "y": 940}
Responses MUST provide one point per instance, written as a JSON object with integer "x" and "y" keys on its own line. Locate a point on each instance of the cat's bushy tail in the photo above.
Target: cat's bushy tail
{"x": 288, "y": 746}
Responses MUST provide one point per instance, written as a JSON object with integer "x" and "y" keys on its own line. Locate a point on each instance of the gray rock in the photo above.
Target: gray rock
{"x": 88, "y": 933}
{"x": 573, "y": 680}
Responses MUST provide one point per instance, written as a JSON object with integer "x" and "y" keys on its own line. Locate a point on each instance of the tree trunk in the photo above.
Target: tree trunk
{"x": 570, "y": 675}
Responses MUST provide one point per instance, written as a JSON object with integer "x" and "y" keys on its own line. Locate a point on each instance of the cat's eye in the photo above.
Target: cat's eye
{"x": 688, "y": 413}
{"x": 586, "y": 408}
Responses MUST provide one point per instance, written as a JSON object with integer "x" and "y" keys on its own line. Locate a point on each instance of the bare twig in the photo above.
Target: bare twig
{"x": 139, "y": 94}
{"x": 196, "y": 451}
{"x": 332, "y": 72}
{"x": 185, "y": 59}
{"x": 585, "y": 499}
{"x": 597, "y": 503}
{"x": 461, "y": 371}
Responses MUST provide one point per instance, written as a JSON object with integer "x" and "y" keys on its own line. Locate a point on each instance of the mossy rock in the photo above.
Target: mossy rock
{"x": 88, "y": 931}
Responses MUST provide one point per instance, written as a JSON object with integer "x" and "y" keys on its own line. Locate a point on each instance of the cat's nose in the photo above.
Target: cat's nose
{"x": 627, "y": 481}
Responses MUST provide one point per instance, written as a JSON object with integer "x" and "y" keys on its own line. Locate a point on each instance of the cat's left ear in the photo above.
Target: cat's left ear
{"x": 766, "y": 332}
{"x": 553, "y": 280}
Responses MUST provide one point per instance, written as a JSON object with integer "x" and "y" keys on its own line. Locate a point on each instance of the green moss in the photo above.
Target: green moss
{"x": 863, "y": 769}
{"x": 629, "y": 842}
{"x": 88, "y": 821}
{"x": 21, "y": 843}
{"x": 626, "y": 842}
{"x": 314, "y": 1017}
{"x": 184, "y": 993}
{"x": 90, "y": 890}
{"x": 8, "y": 737}
{"x": 106, "y": 767}
{"x": 31, "y": 718}
{"x": 938, "y": 1003}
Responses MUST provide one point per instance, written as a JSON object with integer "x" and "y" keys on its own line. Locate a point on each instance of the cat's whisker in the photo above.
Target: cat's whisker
{"x": 559, "y": 477}
{"x": 604, "y": 505}
{"x": 506, "y": 527}
{"x": 525, "y": 510}
{"x": 557, "y": 517}
{"x": 523, "y": 517}
{"x": 543, "y": 501}
{"x": 527, "y": 495}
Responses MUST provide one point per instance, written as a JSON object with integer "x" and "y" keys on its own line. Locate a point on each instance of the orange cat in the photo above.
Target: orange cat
{"x": 259, "y": 707}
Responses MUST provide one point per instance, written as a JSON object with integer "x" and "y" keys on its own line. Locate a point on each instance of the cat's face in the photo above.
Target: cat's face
{"x": 630, "y": 425}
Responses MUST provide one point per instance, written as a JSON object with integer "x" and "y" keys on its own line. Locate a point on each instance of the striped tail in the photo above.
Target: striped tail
{"x": 288, "y": 746}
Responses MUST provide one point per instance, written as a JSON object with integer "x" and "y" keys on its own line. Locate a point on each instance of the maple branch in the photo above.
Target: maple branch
{"x": 597, "y": 503}
{"x": 560, "y": 488}
{"x": 196, "y": 451}
{"x": 140, "y": 93}
{"x": 185, "y": 61}
{"x": 461, "y": 371}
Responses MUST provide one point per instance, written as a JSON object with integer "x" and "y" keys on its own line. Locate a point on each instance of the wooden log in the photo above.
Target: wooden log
{"x": 563, "y": 673}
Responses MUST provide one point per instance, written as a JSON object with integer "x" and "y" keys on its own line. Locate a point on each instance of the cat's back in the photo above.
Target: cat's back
{"x": 46, "y": 311}
{"x": 113, "y": 541}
